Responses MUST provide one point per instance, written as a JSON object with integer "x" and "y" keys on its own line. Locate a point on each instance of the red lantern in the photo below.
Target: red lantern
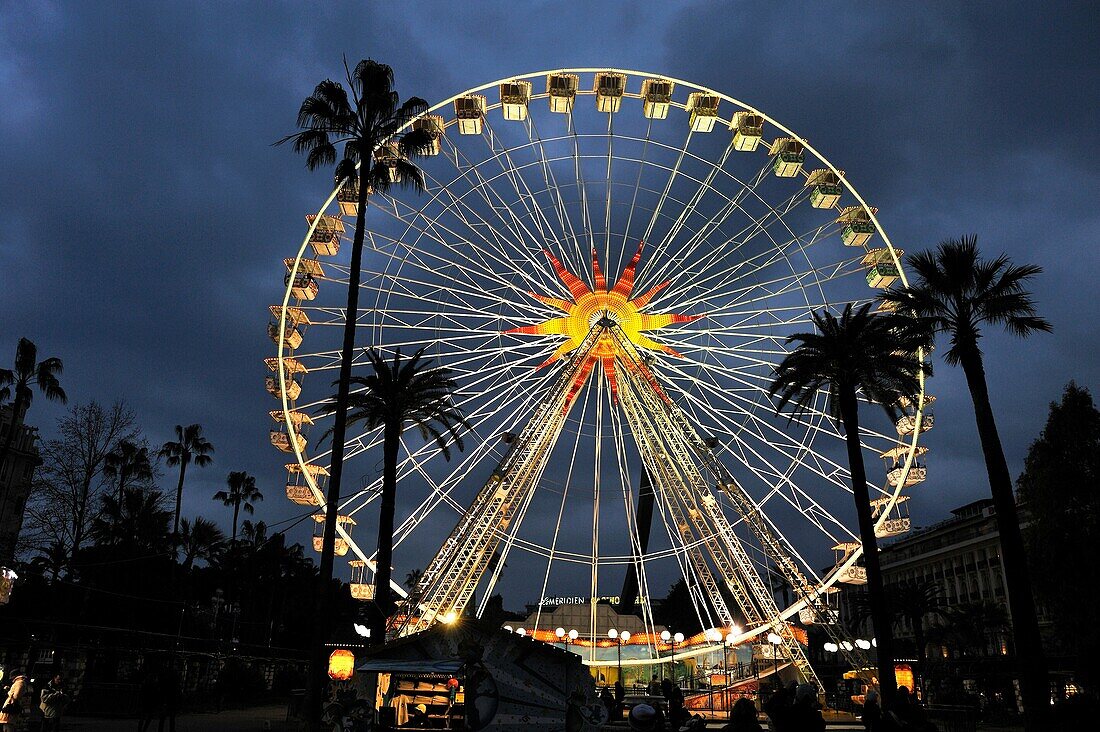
{"x": 341, "y": 665}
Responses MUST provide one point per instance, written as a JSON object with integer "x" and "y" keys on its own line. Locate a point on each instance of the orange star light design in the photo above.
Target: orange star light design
{"x": 588, "y": 306}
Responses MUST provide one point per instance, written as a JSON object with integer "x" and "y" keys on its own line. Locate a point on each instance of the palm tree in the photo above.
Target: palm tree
{"x": 129, "y": 463}
{"x": 138, "y": 521}
{"x": 362, "y": 124}
{"x": 914, "y": 601}
{"x": 911, "y": 601}
{"x": 28, "y": 372}
{"x": 875, "y": 354}
{"x": 242, "y": 493}
{"x": 201, "y": 539}
{"x": 412, "y": 579}
{"x": 52, "y": 560}
{"x": 956, "y": 292}
{"x": 189, "y": 445}
{"x": 397, "y": 394}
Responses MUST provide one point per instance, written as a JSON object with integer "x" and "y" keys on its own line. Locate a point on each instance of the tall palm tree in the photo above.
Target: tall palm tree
{"x": 242, "y": 493}
{"x": 129, "y": 463}
{"x": 362, "y": 123}
{"x": 957, "y": 293}
{"x": 875, "y": 355}
{"x": 401, "y": 393}
{"x": 201, "y": 539}
{"x": 190, "y": 444}
{"x": 16, "y": 383}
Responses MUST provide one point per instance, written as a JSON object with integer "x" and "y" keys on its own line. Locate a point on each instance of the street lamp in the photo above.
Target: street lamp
{"x": 735, "y": 630}
{"x": 619, "y": 639}
{"x": 863, "y": 645}
{"x": 560, "y": 633}
{"x": 676, "y": 638}
{"x": 775, "y": 640}
{"x": 521, "y": 632}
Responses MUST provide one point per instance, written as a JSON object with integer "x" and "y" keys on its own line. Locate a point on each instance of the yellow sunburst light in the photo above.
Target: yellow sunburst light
{"x": 586, "y": 309}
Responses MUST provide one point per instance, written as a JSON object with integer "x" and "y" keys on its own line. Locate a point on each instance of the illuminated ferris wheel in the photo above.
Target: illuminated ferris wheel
{"x": 610, "y": 262}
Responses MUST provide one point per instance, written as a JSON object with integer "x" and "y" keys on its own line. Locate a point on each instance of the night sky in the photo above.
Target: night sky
{"x": 144, "y": 212}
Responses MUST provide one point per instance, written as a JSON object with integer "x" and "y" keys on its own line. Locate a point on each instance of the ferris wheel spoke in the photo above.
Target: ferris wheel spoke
{"x": 775, "y": 479}
{"x": 671, "y": 267}
{"x": 647, "y": 235}
{"x": 572, "y": 256}
{"x": 483, "y": 188}
{"x": 712, "y": 277}
{"x": 746, "y": 268}
{"x": 455, "y": 249}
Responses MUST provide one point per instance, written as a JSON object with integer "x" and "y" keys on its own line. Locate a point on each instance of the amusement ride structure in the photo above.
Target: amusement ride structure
{"x": 610, "y": 263}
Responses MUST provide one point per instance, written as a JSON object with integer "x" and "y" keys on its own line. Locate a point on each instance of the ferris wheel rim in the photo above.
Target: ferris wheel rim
{"x": 848, "y": 187}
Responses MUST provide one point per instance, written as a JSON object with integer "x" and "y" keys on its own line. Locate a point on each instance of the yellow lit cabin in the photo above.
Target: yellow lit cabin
{"x": 470, "y": 114}
{"x": 856, "y": 225}
{"x": 881, "y": 269}
{"x": 360, "y": 588}
{"x": 656, "y": 98}
{"x": 341, "y": 545}
{"x": 292, "y": 337}
{"x": 854, "y": 575}
{"x": 325, "y": 239}
{"x": 821, "y": 609}
{"x": 898, "y": 522}
{"x": 301, "y": 495}
{"x": 294, "y": 316}
{"x": 348, "y": 197}
{"x": 609, "y": 88}
{"x": 304, "y": 287}
{"x": 514, "y": 97}
{"x": 702, "y": 109}
{"x": 788, "y": 155}
{"x": 908, "y": 423}
{"x": 387, "y": 156}
{"x": 290, "y": 365}
{"x": 293, "y": 388}
{"x": 561, "y": 90}
{"x": 281, "y": 439}
{"x": 299, "y": 492}
{"x": 905, "y": 402}
{"x": 825, "y": 188}
{"x": 918, "y": 473}
{"x": 747, "y": 128}
{"x": 296, "y": 418}
{"x": 433, "y": 125}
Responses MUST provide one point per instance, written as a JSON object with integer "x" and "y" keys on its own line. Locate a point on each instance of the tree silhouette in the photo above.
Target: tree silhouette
{"x": 190, "y": 444}
{"x": 957, "y": 293}
{"x": 362, "y": 123}
{"x": 398, "y": 394}
{"x": 242, "y": 494}
{"x": 875, "y": 355}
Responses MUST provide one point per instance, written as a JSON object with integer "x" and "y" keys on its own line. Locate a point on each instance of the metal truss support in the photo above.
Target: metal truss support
{"x": 452, "y": 576}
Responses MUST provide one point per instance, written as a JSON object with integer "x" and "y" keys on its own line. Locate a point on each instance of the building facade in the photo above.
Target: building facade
{"x": 15, "y": 477}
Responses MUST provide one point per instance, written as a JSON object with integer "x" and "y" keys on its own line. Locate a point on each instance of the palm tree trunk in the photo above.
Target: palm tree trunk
{"x": 236, "y": 512}
{"x": 16, "y": 407}
{"x": 876, "y": 592}
{"x": 384, "y": 557}
{"x": 16, "y": 410}
{"x": 325, "y": 597}
{"x": 1034, "y": 685}
{"x": 179, "y": 498}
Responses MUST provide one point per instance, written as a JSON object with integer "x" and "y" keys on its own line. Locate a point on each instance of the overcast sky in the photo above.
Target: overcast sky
{"x": 144, "y": 213}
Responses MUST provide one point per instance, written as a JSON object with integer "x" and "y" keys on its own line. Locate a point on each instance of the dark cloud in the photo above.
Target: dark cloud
{"x": 143, "y": 212}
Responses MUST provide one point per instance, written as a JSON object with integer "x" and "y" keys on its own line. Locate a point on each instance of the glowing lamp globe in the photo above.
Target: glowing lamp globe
{"x": 341, "y": 665}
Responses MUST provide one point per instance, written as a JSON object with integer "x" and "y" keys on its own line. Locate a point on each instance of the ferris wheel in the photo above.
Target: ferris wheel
{"x": 609, "y": 262}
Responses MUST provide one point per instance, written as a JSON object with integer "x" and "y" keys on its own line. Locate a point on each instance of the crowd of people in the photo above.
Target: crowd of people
{"x": 19, "y": 698}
